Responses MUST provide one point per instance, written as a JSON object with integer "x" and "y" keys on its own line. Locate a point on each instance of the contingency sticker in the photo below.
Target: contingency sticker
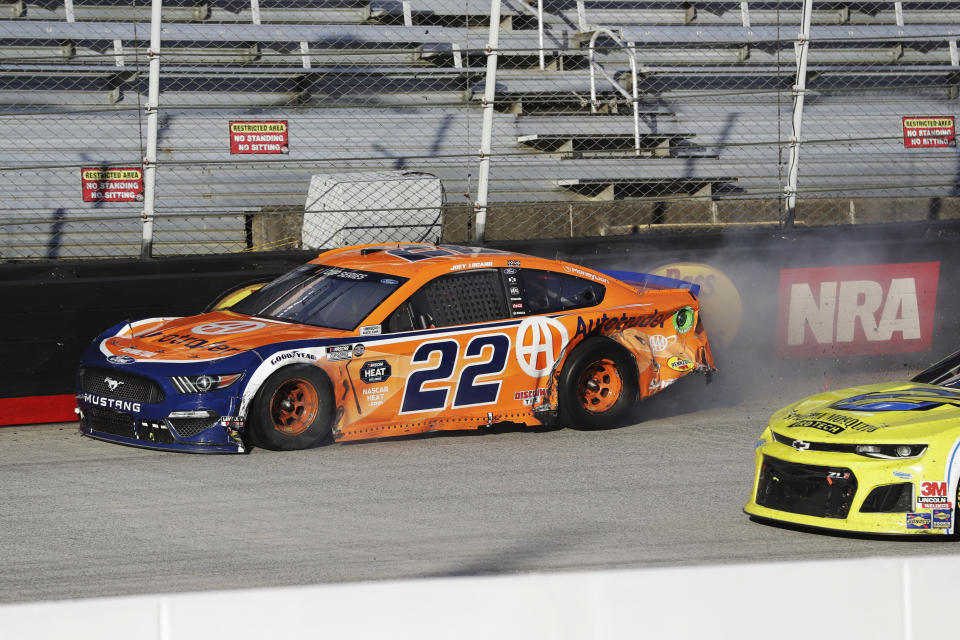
{"x": 918, "y": 520}
{"x": 933, "y": 495}
{"x": 374, "y": 371}
{"x": 942, "y": 518}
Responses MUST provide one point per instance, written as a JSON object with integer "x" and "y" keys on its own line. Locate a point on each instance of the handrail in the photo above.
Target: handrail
{"x": 633, "y": 70}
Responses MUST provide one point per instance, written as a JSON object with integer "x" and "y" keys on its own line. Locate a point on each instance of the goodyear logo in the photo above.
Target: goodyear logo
{"x": 907, "y": 400}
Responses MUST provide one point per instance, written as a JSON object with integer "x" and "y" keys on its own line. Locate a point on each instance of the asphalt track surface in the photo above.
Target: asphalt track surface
{"x": 81, "y": 518}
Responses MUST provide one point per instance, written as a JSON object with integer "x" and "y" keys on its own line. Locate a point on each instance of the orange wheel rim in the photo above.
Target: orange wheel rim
{"x": 294, "y": 407}
{"x": 600, "y": 386}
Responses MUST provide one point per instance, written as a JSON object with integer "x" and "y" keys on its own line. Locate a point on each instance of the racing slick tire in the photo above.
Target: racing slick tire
{"x": 598, "y": 386}
{"x": 292, "y": 410}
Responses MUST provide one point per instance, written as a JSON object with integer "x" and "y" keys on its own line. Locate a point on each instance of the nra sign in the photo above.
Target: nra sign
{"x": 865, "y": 309}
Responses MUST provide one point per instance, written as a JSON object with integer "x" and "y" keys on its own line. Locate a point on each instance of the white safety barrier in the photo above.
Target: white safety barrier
{"x": 875, "y": 598}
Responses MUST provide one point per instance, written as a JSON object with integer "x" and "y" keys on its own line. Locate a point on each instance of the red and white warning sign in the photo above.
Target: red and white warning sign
{"x": 929, "y": 131}
{"x": 114, "y": 184}
{"x": 259, "y": 137}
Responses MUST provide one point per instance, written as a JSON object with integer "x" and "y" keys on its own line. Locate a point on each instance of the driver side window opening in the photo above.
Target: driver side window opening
{"x": 549, "y": 292}
{"x": 452, "y": 299}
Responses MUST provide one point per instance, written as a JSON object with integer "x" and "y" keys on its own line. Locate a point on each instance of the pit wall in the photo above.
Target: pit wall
{"x": 777, "y": 305}
{"x": 876, "y": 598}
{"x": 51, "y": 311}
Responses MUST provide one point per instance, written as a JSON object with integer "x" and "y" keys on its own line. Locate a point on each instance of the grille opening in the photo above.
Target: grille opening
{"x": 154, "y": 431}
{"x": 112, "y": 422}
{"x": 890, "y": 498}
{"x": 824, "y": 492}
{"x": 190, "y": 427}
{"x": 126, "y": 386}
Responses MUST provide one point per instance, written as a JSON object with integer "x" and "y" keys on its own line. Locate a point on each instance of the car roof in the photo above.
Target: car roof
{"x": 420, "y": 260}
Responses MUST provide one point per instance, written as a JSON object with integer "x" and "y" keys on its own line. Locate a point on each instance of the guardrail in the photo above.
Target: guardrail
{"x": 877, "y": 598}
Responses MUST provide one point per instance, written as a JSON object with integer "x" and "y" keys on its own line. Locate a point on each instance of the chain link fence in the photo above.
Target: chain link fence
{"x": 305, "y": 124}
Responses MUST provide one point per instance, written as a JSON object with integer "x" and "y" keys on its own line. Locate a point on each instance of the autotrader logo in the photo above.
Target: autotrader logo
{"x": 537, "y": 337}
{"x": 226, "y": 327}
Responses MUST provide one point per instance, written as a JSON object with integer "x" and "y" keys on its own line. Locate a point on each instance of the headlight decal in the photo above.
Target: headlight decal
{"x": 683, "y": 319}
{"x": 204, "y": 383}
{"x": 882, "y": 451}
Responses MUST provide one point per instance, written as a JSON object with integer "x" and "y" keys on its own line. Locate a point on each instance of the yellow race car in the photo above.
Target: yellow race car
{"x": 882, "y": 458}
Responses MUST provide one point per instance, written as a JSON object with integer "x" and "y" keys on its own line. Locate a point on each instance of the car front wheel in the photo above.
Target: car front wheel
{"x": 293, "y": 409}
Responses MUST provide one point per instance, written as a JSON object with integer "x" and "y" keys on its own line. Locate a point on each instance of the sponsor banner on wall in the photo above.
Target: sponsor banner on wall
{"x": 928, "y": 131}
{"x": 720, "y": 304}
{"x": 114, "y": 184}
{"x": 259, "y": 136}
{"x": 852, "y": 310}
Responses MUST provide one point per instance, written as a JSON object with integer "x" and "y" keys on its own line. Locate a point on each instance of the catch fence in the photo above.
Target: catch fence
{"x": 305, "y": 124}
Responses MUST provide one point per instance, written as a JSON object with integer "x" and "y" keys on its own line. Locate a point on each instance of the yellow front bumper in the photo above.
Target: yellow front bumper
{"x": 869, "y": 474}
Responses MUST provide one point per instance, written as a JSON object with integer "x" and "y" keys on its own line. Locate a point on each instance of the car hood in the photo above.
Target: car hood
{"x": 897, "y": 412}
{"x": 206, "y": 337}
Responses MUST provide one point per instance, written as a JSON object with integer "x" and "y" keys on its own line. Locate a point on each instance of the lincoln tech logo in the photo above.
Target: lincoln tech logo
{"x": 849, "y": 310}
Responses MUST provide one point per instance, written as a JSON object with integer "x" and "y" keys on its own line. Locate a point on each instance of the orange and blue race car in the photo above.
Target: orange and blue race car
{"x": 394, "y": 339}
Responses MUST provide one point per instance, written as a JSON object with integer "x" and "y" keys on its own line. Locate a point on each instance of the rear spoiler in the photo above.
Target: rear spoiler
{"x": 649, "y": 281}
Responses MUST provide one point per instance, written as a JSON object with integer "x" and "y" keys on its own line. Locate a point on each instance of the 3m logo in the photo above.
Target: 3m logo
{"x": 933, "y": 488}
{"x": 868, "y": 309}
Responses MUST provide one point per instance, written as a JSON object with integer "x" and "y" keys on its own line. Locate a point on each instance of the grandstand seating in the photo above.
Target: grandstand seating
{"x": 383, "y": 84}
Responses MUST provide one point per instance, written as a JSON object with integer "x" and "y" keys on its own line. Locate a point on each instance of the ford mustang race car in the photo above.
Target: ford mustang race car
{"x": 394, "y": 339}
{"x": 882, "y": 458}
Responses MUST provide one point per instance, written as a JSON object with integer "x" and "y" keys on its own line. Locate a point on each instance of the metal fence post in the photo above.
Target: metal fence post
{"x": 150, "y": 160}
{"x": 799, "y": 90}
{"x": 486, "y": 135}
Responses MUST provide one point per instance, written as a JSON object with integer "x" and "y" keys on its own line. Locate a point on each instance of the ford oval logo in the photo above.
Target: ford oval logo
{"x": 121, "y": 359}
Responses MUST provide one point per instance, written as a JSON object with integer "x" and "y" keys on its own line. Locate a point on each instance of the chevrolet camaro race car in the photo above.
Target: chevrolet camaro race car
{"x": 394, "y": 339}
{"x": 881, "y": 459}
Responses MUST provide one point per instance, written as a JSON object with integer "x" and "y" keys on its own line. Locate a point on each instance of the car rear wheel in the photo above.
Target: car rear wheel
{"x": 598, "y": 386}
{"x": 956, "y": 516}
{"x": 292, "y": 410}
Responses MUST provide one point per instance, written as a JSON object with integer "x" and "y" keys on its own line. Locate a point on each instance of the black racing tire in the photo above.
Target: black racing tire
{"x": 955, "y": 536}
{"x": 293, "y": 409}
{"x": 598, "y": 386}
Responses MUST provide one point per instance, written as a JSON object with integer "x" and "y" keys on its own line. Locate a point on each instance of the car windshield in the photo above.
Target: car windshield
{"x": 945, "y": 373}
{"x": 321, "y": 296}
